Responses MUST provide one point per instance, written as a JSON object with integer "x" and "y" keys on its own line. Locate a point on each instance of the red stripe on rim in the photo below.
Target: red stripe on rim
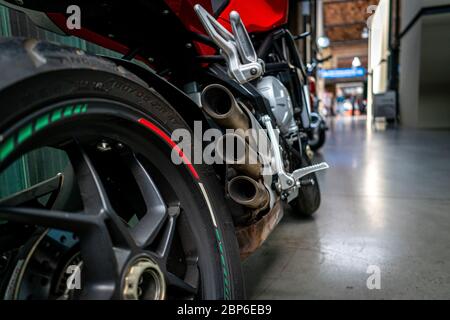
{"x": 171, "y": 143}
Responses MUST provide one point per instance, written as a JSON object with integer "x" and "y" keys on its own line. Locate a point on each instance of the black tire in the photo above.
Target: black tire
{"x": 318, "y": 140}
{"x": 65, "y": 76}
{"x": 309, "y": 198}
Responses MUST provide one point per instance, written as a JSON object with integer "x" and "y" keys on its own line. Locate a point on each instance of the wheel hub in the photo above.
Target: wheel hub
{"x": 144, "y": 281}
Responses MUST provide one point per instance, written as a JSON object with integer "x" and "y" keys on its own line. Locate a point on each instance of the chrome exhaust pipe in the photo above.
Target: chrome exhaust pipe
{"x": 236, "y": 152}
{"x": 220, "y": 104}
{"x": 248, "y": 193}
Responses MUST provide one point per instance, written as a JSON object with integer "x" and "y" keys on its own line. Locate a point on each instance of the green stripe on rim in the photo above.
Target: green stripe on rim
{"x": 77, "y": 109}
{"x": 42, "y": 122}
{"x": 224, "y": 266}
{"x": 68, "y": 111}
{"x": 25, "y": 133}
{"x": 6, "y": 149}
{"x": 57, "y": 115}
{"x": 218, "y": 235}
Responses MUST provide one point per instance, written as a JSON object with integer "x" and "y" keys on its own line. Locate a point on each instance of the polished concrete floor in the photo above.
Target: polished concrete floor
{"x": 385, "y": 203}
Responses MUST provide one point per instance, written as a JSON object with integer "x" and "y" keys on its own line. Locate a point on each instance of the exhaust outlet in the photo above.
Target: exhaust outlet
{"x": 248, "y": 193}
{"x": 220, "y": 104}
{"x": 236, "y": 152}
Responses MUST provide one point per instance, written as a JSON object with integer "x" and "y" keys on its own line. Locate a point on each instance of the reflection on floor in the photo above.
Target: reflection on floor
{"x": 385, "y": 203}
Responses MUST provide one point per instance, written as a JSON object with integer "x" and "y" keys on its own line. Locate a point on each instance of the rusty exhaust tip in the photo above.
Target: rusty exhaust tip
{"x": 248, "y": 192}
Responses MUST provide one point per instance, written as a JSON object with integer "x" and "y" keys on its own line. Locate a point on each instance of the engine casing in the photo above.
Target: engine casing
{"x": 280, "y": 102}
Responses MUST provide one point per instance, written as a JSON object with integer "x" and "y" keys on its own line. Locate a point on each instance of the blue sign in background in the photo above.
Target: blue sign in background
{"x": 342, "y": 73}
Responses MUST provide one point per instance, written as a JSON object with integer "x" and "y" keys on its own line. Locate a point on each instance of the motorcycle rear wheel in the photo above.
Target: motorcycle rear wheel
{"x": 116, "y": 135}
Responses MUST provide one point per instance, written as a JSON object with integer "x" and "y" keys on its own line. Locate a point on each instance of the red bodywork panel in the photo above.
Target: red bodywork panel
{"x": 184, "y": 9}
{"x": 257, "y": 15}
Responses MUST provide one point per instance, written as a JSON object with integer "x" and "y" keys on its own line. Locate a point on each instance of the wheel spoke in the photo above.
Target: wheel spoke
{"x": 100, "y": 268}
{"x": 150, "y": 224}
{"x": 93, "y": 194}
{"x": 174, "y": 281}
{"x": 168, "y": 233}
{"x": 119, "y": 232}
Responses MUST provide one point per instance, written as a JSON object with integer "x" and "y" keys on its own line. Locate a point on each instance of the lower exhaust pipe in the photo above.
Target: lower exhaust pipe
{"x": 248, "y": 193}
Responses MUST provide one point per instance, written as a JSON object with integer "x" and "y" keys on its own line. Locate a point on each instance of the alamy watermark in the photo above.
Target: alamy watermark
{"x": 74, "y": 280}
{"x": 231, "y": 147}
{"x": 73, "y": 22}
{"x": 374, "y": 280}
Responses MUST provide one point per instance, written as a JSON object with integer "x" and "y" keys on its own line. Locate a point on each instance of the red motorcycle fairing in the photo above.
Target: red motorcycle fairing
{"x": 184, "y": 10}
{"x": 257, "y": 15}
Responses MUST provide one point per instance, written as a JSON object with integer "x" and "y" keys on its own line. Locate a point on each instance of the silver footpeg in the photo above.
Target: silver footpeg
{"x": 303, "y": 172}
{"x": 236, "y": 47}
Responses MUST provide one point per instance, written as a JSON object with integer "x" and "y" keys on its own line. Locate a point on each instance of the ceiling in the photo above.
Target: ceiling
{"x": 345, "y": 20}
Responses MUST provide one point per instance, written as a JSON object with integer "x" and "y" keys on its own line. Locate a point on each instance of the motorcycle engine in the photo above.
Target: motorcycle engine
{"x": 281, "y": 104}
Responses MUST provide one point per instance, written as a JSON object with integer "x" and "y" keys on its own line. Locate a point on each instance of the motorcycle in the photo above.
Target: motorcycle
{"x": 131, "y": 213}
